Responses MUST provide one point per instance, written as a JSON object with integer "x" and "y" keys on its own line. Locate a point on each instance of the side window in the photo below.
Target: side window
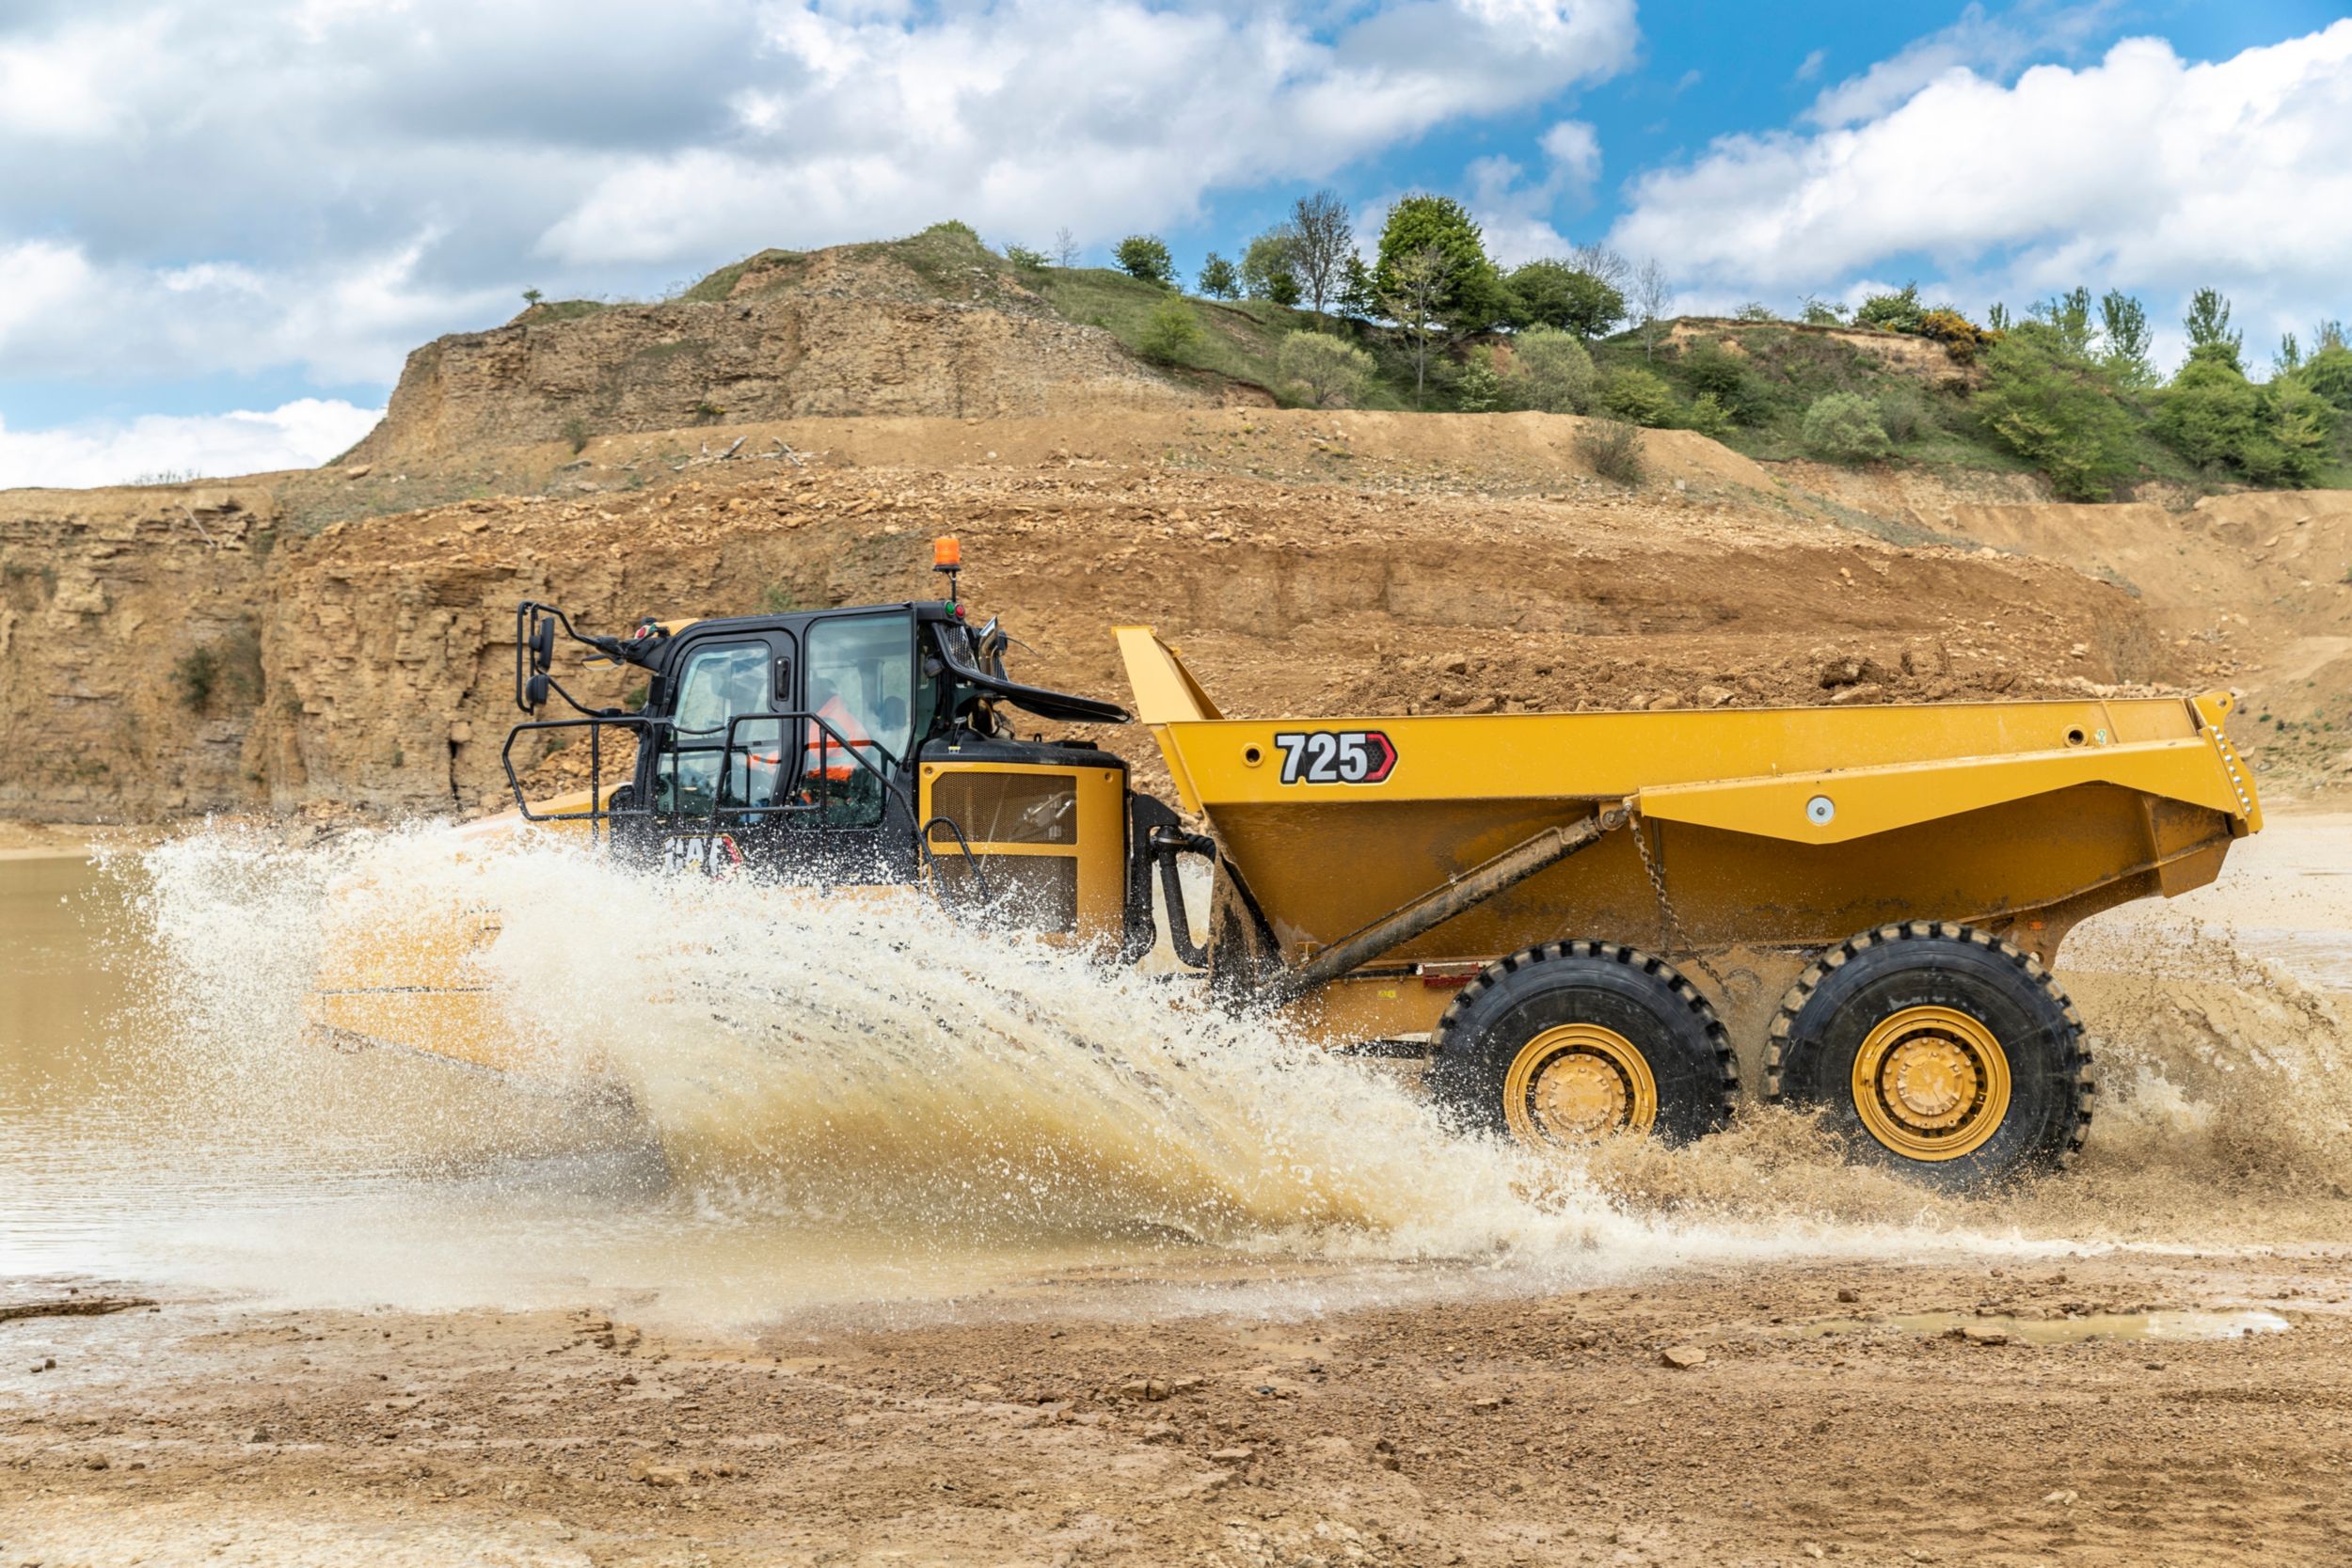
{"x": 698, "y": 772}
{"x": 719, "y": 684}
{"x": 861, "y": 679}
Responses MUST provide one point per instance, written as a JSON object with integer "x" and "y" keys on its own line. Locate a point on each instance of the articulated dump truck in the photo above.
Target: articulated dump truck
{"x": 1587, "y": 923}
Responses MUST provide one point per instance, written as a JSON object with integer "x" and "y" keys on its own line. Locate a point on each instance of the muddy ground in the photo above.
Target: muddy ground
{"x": 1480, "y": 1432}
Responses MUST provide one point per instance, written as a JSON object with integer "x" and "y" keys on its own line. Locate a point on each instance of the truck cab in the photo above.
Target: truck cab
{"x": 866, "y": 745}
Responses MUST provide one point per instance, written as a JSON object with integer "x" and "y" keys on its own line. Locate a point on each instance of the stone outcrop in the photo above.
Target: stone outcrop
{"x": 919, "y": 328}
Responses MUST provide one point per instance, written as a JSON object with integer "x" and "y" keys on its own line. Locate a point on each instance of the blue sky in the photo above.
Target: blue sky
{"x": 224, "y": 222}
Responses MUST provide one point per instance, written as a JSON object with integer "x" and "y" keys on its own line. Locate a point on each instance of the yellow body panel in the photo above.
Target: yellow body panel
{"x": 1098, "y": 848}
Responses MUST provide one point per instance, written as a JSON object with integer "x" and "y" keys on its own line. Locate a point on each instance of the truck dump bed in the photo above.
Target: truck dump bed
{"x": 1784, "y": 828}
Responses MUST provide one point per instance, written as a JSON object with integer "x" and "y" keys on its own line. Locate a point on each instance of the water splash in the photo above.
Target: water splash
{"x": 850, "y": 1098}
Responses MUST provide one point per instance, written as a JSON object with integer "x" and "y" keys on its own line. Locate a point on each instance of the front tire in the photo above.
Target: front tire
{"x": 1567, "y": 1042}
{"x": 1938, "y": 1050}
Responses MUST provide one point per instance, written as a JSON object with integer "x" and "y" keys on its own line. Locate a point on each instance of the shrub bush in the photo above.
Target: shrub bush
{"x": 1897, "y": 313}
{"x": 1614, "y": 447}
{"x": 1844, "y": 427}
{"x": 1709, "y": 370}
{"x": 1551, "y": 371}
{"x": 1478, "y": 390}
{"x": 1331, "y": 371}
{"x": 1632, "y": 394}
{"x": 1171, "y": 334}
{"x": 1962, "y": 338}
{"x": 1708, "y": 415}
{"x": 1903, "y": 414}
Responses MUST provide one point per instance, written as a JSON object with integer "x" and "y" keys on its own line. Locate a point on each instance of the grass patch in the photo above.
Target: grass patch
{"x": 1240, "y": 339}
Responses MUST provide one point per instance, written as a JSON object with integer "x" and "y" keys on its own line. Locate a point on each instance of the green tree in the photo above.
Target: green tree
{"x": 1821, "y": 312}
{"x": 2290, "y": 355}
{"x": 1755, "y": 310}
{"x": 1472, "y": 293}
{"x": 2060, "y": 413}
{"x": 1550, "y": 369}
{"x": 1997, "y": 319}
{"x": 2069, "y": 316}
{"x": 2329, "y": 373}
{"x": 1218, "y": 280}
{"x": 1359, "y": 299}
{"x": 1844, "y": 427}
{"x": 1026, "y": 260}
{"x": 1557, "y": 295}
{"x": 2208, "y": 326}
{"x": 532, "y": 296}
{"x": 1333, "y": 372}
{"x": 1269, "y": 267}
{"x": 1145, "y": 257}
{"x": 2302, "y": 429}
{"x": 1170, "y": 334}
{"x": 2123, "y": 338}
{"x": 2210, "y": 414}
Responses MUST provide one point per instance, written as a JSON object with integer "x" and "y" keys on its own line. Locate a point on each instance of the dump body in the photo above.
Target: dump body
{"x": 1771, "y": 832}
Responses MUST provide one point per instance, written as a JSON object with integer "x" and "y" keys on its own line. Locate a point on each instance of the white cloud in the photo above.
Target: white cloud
{"x": 348, "y": 318}
{"x": 1811, "y": 65}
{"x": 1107, "y": 116}
{"x": 2142, "y": 171}
{"x": 189, "y": 186}
{"x": 1515, "y": 213}
{"x": 298, "y": 435}
{"x": 1976, "y": 41}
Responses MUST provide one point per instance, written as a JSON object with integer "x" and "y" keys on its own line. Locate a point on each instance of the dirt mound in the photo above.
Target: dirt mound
{"x": 932, "y": 325}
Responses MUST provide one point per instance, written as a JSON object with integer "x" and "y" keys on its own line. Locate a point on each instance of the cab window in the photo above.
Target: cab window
{"x": 861, "y": 680}
{"x": 719, "y": 684}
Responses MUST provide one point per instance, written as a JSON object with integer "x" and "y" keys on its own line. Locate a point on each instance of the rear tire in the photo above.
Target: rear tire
{"x": 1560, "y": 1043}
{"x": 1937, "y": 1049}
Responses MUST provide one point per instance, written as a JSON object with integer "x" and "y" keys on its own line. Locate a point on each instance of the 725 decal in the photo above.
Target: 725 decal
{"x": 1335, "y": 756}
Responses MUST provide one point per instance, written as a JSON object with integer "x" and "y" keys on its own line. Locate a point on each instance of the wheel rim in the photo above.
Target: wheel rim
{"x": 1931, "y": 1083}
{"x": 1576, "y": 1082}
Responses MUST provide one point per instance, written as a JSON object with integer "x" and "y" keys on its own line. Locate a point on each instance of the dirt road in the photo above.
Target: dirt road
{"x": 1494, "y": 1432}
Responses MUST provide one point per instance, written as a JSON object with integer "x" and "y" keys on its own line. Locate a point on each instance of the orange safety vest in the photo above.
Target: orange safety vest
{"x": 826, "y": 754}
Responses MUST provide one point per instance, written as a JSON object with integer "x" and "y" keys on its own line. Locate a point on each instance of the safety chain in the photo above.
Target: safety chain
{"x": 1669, "y": 923}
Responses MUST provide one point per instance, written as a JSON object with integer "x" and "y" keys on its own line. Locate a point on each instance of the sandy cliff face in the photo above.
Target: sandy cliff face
{"x": 132, "y": 621}
{"x": 854, "y": 331}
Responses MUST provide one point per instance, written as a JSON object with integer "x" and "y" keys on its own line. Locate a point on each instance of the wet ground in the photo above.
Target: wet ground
{"x": 267, "y": 1306}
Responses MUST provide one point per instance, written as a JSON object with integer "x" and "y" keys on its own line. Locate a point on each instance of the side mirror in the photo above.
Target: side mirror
{"x": 542, "y": 651}
{"x": 535, "y": 689}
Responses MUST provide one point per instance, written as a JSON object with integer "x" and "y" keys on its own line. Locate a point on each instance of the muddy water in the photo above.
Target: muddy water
{"x": 822, "y": 1114}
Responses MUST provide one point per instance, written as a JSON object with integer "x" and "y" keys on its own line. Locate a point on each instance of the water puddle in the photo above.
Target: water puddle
{"x": 2169, "y": 1325}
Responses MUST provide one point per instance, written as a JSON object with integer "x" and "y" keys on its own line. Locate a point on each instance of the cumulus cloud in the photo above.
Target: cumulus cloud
{"x": 1516, "y": 212}
{"x": 2143, "y": 171}
{"x": 1995, "y": 46}
{"x": 195, "y": 186}
{"x": 298, "y": 435}
{"x": 1107, "y": 117}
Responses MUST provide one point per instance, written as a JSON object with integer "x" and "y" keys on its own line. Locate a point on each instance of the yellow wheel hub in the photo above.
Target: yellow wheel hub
{"x": 1577, "y": 1081}
{"x": 1931, "y": 1083}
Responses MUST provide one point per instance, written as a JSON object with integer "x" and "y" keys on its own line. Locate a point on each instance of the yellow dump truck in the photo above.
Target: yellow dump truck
{"x": 1587, "y": 922}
